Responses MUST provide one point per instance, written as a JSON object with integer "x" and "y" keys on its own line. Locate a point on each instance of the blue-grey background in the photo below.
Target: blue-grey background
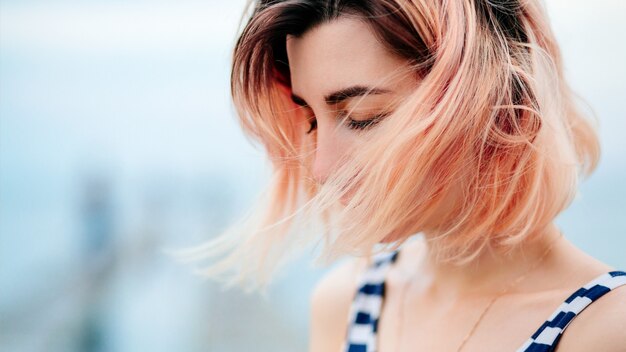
{"x": 118, "y": 139}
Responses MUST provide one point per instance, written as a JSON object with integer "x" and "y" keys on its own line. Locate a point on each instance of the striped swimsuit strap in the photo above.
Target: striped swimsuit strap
{"x": 366, "y": 306}
{"x": 367, "y": 303}
{"x": 549, "y": 333}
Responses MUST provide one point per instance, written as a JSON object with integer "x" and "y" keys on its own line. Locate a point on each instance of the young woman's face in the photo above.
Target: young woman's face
{"x": 332, "y": 66}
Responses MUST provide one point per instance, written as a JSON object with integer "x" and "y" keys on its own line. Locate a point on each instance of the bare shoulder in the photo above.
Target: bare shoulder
{"x": 600, "y": 327}
{"x": 330, "y": 305}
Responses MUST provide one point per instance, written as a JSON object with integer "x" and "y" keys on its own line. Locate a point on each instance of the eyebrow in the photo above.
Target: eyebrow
{"x": 343, "y": 94}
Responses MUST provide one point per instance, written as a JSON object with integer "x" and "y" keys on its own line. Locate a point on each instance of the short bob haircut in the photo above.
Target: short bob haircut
{"x": 491, "y": 115}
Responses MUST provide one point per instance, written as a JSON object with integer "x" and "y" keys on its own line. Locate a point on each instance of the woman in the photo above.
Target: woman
{"x": 435, "y": 141}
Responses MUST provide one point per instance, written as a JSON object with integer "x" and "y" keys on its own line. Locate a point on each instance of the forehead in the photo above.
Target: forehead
{"x": 342, "y": 52}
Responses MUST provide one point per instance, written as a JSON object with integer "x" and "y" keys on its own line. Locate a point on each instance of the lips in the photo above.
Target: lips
{"x": 351, "y": 188}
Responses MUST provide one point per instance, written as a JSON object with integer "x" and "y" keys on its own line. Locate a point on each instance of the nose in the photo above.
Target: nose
{"x": 326, "y": 154}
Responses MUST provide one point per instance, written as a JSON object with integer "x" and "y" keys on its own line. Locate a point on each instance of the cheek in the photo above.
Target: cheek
{"x": 347, "y": 139}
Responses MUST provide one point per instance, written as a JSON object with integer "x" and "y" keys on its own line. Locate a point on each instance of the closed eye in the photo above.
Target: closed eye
{"x": 351, "y": 123}
{"x": 365, "y": 124}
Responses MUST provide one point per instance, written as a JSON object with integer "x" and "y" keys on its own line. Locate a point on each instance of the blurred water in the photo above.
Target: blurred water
{"x": 113, "y": 122}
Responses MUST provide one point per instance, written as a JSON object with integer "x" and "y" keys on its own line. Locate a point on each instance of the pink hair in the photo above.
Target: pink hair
{"x": 492, "y": 116}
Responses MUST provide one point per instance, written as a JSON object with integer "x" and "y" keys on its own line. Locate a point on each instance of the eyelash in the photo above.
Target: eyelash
{"x": 353, "y": 124}
{"x": 313, "y": 125}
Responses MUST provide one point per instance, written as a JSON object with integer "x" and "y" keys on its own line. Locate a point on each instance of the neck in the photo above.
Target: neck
{"x": 490, "y": 272}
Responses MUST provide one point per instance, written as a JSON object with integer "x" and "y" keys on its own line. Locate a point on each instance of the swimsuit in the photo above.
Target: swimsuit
{"x": 367, "y": 303}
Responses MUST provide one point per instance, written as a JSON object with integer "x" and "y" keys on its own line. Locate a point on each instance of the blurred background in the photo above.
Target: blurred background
{"x": 118, "y": 140}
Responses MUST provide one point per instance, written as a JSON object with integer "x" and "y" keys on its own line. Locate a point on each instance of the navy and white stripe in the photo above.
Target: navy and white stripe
{"x": 366, "y": 307}
{"x": 547, "y": 336}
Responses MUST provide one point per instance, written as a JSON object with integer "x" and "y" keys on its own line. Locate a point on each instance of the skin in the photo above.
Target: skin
{"x": 442, "y": 301}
